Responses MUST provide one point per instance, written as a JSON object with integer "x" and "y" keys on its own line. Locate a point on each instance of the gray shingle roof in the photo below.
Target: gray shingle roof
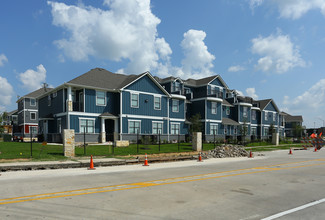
{"x": 228, "y": 121}
{"x": 37, "y": 93}
{"x": 292, "y": 118}
{"x": 101, "y": 78}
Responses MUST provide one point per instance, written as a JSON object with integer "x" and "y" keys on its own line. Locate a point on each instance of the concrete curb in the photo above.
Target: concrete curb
{"x": 83, "y": 163}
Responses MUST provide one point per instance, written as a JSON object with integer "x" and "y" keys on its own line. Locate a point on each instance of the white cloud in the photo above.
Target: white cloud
{"x": 278, "y": 53}
{"x": 310, "y": 103}
{"x": 251, "y": 93}
{"x": 6, "y": 93}
{"x": 3, "y": 59}
{"x": 236, "y": 68}
{"x": 31, "y": 79}
{"x": 293, "y": 9}
{"x": 127, "y": 31}
{"x": 198, "y": 60}
{"x": 240, "y": 93}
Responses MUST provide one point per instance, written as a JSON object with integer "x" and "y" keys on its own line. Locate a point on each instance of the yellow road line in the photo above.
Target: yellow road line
{"x": 160, "y": 182}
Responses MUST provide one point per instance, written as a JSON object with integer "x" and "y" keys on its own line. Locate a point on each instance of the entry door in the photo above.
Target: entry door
{"x": 45, "y": 130}
{"x": 81, "y": 101}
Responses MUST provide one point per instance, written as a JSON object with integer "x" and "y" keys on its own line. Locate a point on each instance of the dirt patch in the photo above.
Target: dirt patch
{"x": 14, "y": 160}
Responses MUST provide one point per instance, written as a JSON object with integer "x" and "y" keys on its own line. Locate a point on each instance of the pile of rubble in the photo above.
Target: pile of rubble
{"x": 227, "y": 151}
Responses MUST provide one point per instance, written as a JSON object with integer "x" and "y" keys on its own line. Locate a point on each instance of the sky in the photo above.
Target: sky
{"x": 261, "y": 48}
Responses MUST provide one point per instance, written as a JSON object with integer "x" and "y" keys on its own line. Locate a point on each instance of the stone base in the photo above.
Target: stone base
{"x": 69, "y": 143}
{"x": 103, "y": 137}
{"x": 197, "y": 141}
{"x": 275, "y": 138}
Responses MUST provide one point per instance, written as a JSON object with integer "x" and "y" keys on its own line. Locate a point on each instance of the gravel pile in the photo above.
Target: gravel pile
{"x": 227, "y": 151}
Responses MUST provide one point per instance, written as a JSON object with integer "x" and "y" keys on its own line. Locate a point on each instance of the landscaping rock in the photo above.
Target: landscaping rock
{"x": 227, "y": 151}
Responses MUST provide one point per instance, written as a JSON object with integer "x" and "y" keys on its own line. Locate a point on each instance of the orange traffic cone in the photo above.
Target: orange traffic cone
{"x": 146, "y": 161}
{"x": 91, "y": 167}
{"x": 250, "y": 154}
{"x": 290, "y": 151}
{"x": 200, "y": 157}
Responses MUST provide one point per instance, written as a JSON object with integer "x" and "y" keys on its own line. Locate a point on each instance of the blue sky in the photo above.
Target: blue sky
{"x": 262, "y": 48}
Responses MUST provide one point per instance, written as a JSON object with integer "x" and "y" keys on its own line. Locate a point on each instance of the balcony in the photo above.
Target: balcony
{"x": 77, "y": 106}
{"x": 216, "y": 95}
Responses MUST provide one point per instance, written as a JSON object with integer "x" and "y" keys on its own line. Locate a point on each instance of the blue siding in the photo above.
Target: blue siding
{"x": 269, "y": 118}
{"x": 54, "y": 108}
{"x": 270, "y": 107}
{"x": 217, "y": 116}
{"x": 182, "y": 127}
{"x": 145, "y": 84}
{"x": 146, "y": 105}
{"x": 248, "y": 118}
{"x": 216, "y": 82}
{"x": 112, "y": 102}
{"x": 181, "y": 113}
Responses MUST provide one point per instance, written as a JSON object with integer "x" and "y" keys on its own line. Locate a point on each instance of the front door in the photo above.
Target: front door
{"x": 109, "y": 129}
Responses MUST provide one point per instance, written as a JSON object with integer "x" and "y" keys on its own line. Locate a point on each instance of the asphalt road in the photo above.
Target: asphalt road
{"x": 274, "y": 186}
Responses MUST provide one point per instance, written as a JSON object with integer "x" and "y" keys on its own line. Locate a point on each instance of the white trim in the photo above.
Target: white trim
{"x": 129, "y": 126}
{"x": 30, "y": 101}
{"x": 83, "y": 114}
{"x": 104, "y": 98}
{"x": 255, "y": 108}
{"x": 134, "y": 93}
{"x": 213, "y": 124}
{"x": 158, "y": 122}
{"x": 155, "y": 96}
{"x": 93, "y": 119}
{"x": 175, "y": 96}
{"x": 216, "y": 108}
{"x": 213, "y": 121}
{"x": 144, "y": 93}
{"x": 176, "y": 100}
{"x": 243, "y": 104}
{"x": 145, "y": 117}
{"x": 30, "y": 116}
{"x": 179, "y": 128}
{"x": 177, "y": 119}
{"x": 213, "y": 99}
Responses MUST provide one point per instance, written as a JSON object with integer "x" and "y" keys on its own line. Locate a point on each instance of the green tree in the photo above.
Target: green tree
{"x": 1, "y": 122}
{"x": 196, "y": 124}
{"x": 244, "y": 131}
{"x": 297, "y": 130}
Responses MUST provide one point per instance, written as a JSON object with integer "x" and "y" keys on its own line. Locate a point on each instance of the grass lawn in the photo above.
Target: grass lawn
{"x": 17, "y": 150}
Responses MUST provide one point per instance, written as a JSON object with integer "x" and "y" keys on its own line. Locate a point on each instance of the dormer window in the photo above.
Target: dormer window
{"x": 176, "y": 86}
{"x": 32, "y": 102}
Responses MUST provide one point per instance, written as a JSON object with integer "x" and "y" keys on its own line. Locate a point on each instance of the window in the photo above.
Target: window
{"x": 265, "y": 116}
{"x": 266, "y": 131}
{"x": 134, "y": 100}
{"x": 253, "y": 131}
{"x": 225, "y": 129}
{"x": 55, "y": 94}
{"x": 134, "y": 127}
{"x": 245, "y": 109}
{"x": 157, "y": 127}
{"x": 32, "y": 102}
{"x": 33, "y": 116}
{"x": 274, "y": 116}
{"x": 253, "y": 115}
{"x": 87, "y": 125}
{"x": 213, "y": 90}
{"x": 175, "y": 106}
{"x": 235, "y": 130}
{"x": 157, "y": 103}
{"x": 174, "y": 128}
{"x": 213, "y": 129}
{"x": 213, "y": 108}
{"x": 227, "y": 110}
{"x": 33, "y": 130}
{"x": 177, "y": 86}
{"x": 100, "y": 98}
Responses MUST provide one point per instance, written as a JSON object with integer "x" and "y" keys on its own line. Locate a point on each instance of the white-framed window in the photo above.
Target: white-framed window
{"x": 227, "y": 110}
{"x": 33, "y": 130}
{"x": 33, "y": 116}
{"x": 213, "y": 90}
{"x": 157, "y": 127}
{"x": 213, "y": 129}
{"x": 59, "y": 126}
{"x": 55, "y": 94}
{"x": 32, "y": 102}
{"x": 100, "y": 98}
{"x": 213, "y": 108}
{"x": 266, "y": 131}
{"x": 157, "y": 102}
{"x": 253, "y": 115}
{"x": 87, "y": 125}
{"x": 134, "y": 100}
{"x": 274, "y": 116}
{"x": 265, "y": 116}
{"x": 175, "y": 105}
{"x": 176, "y": 86}
{"x": 245, "y": 110}
{"x": 49, "y": 100}
{"x": 134, "y": 126}
{"x": 174, "y": 128}
{"x": 253, "y": 131}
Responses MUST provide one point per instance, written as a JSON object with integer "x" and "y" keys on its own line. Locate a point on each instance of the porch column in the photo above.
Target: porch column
{"x": 69, "y": 101}
{"x": 103, "y": 133}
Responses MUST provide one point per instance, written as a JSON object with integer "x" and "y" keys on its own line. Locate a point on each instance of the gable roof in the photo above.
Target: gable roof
{"x": 263, "y": 103}
{"x": 292, "y": 118}
{"x": 36, "y": 93}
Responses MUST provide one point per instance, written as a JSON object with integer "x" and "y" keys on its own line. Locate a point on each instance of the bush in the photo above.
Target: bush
{"x": 7, "y": 137}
